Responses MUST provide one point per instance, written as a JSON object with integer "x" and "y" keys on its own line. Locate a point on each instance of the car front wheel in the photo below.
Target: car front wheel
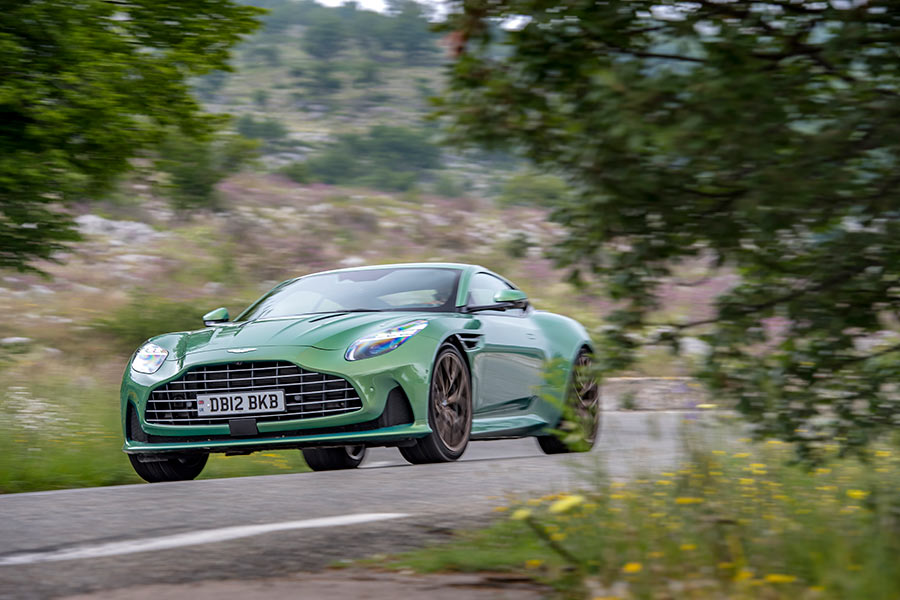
{"x": 178, "y": 468}
{"x": 449, "y": 411}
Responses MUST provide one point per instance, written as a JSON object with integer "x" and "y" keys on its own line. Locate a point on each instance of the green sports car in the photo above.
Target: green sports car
{"x": 424, "y": 357}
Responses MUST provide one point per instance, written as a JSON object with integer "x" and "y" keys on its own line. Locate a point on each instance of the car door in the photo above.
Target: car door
{"x": 509, "y": 367}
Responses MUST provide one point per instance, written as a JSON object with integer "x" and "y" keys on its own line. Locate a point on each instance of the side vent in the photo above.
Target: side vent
{"x": 470, "y": 341}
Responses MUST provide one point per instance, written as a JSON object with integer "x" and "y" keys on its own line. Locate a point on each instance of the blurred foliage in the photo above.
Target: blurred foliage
{"x": 296, "y": 171}
{"x": 194, "y": 167}
{"x": 448, "y": 186}
{"x": 724, "y": 524}
{"x": 762, "y": 137}
{"x": 268, "y": 128}
{"x": 325, "y": 37}
{"x": 86, "y": 87}
{"x": 329, "y": 31}
{"x": 387, "y": 158}
{"x": 534, "y": 189}
{"x": 147, "y": 316}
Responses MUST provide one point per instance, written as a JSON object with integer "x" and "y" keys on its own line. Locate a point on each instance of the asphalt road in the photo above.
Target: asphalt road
{"x": 60, "y": 543}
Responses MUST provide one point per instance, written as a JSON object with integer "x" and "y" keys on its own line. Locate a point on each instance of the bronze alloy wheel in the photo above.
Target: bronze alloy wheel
{"x": 586, "y": 397}
{"x": 451, "y": 401}
{"x": 582, "y": 406}
{"x": 449, "y": 411}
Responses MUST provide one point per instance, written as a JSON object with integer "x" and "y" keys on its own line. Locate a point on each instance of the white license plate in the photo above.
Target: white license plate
{"x": 245, "y": 403}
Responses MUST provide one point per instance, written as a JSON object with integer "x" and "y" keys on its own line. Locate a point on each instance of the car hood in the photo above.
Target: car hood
{"x": 325, "y": 331}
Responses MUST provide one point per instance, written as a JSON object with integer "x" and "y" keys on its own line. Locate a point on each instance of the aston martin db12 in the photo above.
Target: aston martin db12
{"x": 424, "y": 357}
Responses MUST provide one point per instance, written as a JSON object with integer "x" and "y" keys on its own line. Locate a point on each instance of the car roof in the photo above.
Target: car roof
{"x": 419, "y": 265}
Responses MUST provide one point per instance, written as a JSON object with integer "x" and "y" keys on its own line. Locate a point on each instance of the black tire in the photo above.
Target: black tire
{"x": 583, "y": 399}
{"x": 179, "y": 468}
{"x": 334, "y": 459}
{"x": 449, "y": 411}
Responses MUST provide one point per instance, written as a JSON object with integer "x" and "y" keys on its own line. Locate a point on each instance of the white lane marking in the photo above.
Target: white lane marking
{"x": 207, "y": 536}
{"x": 383, "y": 463}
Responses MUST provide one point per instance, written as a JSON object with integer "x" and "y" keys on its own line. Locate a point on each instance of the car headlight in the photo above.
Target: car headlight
{"x": 149, "y": 358}
{"x": 383, "y": 341}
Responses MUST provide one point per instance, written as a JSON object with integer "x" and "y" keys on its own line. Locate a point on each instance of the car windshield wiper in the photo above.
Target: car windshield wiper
{"x": 338, "y": 313}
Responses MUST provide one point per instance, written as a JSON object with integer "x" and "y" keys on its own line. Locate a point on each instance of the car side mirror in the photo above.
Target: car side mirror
{"x": 517, "y": 298}
{"x": 213, "y": 317}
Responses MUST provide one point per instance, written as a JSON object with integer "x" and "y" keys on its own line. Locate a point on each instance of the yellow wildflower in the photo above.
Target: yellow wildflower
{"x": 533, "y": 563}
{"x": 688, "y": 547}
{"x": 718, "y": 452}
{"x": 617, "y": 496}
{"x": 706, "y": 406}
{"x": 780, "y": 578}
{"x": 501, "y": 508}
{"x": 632, "y": 567}
{"x": 857, "y": 494}
{"x": 823, "y": 471}
{"x": 882, "y": 453}
{"x": 558, "y": 537}
{"x": 663, "y": 482}
{"x": 655, "y": 554}
{"x": 520, "y": 514}
{"x": 743, "y": 575}
{"x": 688, "y": 500}
{"x": 746, "y": 481}
{"x": 566, "y": 503}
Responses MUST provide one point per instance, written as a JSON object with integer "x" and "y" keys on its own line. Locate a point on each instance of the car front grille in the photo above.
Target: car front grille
{"x": 307, "y": 394}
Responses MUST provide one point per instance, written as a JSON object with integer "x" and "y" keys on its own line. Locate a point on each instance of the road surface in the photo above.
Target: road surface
{"x": 54, "y": 544}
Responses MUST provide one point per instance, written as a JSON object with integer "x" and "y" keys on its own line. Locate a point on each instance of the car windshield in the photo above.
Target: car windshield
{"x": 425, "y": 289}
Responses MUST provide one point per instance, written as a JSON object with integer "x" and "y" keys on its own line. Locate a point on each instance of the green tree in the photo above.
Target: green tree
{"x": 194, "y": 166}
{"x": 386, "y": 157}
{"x": 534, "y": 189}
{"x": 411, "y": 31}
{"x": 84, "y": 88}
{"x": 759, "y": 136}
{"x": 325, "y": 37}
{"x": 268, "y": 128}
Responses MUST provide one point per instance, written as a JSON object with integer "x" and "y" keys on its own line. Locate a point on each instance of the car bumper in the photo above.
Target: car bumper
{"x": 377, "y": 437}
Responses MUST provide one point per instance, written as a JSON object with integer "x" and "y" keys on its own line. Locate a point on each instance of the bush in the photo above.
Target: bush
{"x": 148, "y": 316}
{"x": 387, "y": 158}
{"x": 267, "y": 129}
{"x": 194, "y": 166}
{"x": 296, "y": 171}
{"x": 534, "y": 189}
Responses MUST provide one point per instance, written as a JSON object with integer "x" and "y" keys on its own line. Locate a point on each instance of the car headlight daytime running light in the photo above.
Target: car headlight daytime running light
{"x": 149, "y": 359}
{"x": 383, "y": 342}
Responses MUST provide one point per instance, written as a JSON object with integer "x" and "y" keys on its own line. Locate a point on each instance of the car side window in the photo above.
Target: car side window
{"x": 484, "y": 287}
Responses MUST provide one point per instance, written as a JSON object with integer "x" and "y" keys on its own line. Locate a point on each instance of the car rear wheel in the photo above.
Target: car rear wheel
{"x": 449, "y": 411}
{"x": 179, "y": 468}
{"x": 581, "y": 417}
{"x": 334, "y": 459}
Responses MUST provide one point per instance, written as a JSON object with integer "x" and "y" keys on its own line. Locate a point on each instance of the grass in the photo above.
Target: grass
{"x": 59, "y": 428}
{"x": 724, "y": 525}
